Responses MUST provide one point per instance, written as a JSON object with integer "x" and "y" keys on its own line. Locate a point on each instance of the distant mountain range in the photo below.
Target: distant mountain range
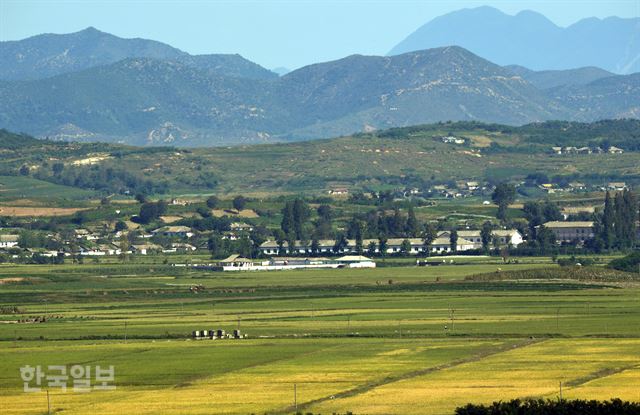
{"x": 92, "y": 86}
{"x": 48, "y": 55}
{"x": 531, "y": 40}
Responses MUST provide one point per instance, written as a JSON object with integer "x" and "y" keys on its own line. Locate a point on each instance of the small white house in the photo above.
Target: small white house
{"x": 174, "y": 231}
{"x": 9, "y": 241}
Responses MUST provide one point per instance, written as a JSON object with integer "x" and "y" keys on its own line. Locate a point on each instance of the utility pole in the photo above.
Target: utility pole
{"x": 48, "y": 403}
{"x": 452, "y": 315}
{"x": 561, "y": 390}
{"x": 295, "y": 396}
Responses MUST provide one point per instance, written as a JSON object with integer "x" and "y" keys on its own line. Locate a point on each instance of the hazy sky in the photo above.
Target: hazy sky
{"x": 272, "y": 33}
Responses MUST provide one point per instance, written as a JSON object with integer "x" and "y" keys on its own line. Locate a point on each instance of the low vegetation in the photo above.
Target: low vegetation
{"x": 552, "y": 407}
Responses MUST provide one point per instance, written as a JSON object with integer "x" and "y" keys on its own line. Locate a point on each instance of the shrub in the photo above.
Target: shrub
{"x": 552, "y": 407}
{"x": 630, "y": 263}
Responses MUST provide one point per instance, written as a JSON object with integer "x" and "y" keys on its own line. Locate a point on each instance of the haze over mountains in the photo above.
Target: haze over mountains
{"x": 95, "y": 86}
{"x": 529, "y": 39}
{"x": 48, "y": 55}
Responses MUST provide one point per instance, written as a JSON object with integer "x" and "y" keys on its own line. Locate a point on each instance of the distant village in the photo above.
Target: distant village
{"x": 245, "y": 243}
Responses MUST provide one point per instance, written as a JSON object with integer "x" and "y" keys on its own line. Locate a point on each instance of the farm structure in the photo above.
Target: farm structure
{"x": 217, "y": 334}
{"x": 467, "y": 240}
{"x": 238, "y": 263}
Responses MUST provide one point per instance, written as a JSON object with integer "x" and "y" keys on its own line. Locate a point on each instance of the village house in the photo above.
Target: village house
{"x": 616, "y": 186}
{"x": 182, "y": 247}
{"x": 339, "y": 191}
{"x": 179, "y": 202}
{"x": 577, "y": 186}
{"x": 85, "y": 234}
{"x": 452, "y": 140}
{"x": 503, "y": 237}
{"x": 615, "y": 150}
{"x": 9, "y": 241}
{"x": 240, "y": 227}
{"x": 571, "y": 231}
{"x": 174, "y": 231}
{"x": 577, "y": 210}
{"x": 101, "y": 250}
{"x": 145, "y": 249}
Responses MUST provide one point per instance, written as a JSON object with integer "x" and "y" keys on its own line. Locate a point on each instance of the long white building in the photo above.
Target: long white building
{"x": 467, "y": 240}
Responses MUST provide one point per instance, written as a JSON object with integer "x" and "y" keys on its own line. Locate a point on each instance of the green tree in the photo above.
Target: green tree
{"x": 453, "y": 240}
{"x": 412, "y": 227}
{"x": 301, "y": 214}
{"x": 503, "y": 195}
{"x": 120, "y": 226}
{"x": 486, "y": 233}
{"x": 239, "y": 203}
{"x": 315, "y": 246}
{"x": 546, "y": 240}
{"x": 212, "y": 202}
{"x": 325, "y": 212}
{"x": 149, "y": 212}
{"x": 341, "y": 244}
{"x": 57, "y": 168}
{"x": 382, "y": 245}
{"x": 288, "y": 220}
{"x": 124, "y": 246}
{"x": 216, "y": 246}
{"x": 405, "y": 247}
{"x": 607, "y": 222}
{"x": 358, "y": 237}
{"x": 429, "y": 234}
{"x": 371, "y": 248}
{"x": 141, "y": 198}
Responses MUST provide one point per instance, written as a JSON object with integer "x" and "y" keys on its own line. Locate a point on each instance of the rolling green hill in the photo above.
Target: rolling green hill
{"x": 395, "y": 158}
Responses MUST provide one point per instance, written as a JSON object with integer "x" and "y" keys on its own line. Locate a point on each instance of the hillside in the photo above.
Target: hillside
{"x": 151, "y": 102}
{"x": 140, "y": 101}
{"x": 437, "y": 84}
{"x": 13, "y": 141}
{"x": 552, "y": 79}
{"x": 531, "y": 40}
{"x": 611, "y": 97}
{"x": 48, "y": 55}
{"x": 395, "y": 158}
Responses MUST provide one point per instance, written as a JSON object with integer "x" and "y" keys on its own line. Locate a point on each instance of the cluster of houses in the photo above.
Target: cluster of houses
{"x": 581, "y": 187}
{"x": 585, "y": 150}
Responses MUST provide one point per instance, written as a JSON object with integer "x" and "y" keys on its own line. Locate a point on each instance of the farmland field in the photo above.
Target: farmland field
{"x": 390, "y": 340}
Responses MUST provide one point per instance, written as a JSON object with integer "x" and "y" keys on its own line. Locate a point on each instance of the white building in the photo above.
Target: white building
{"x": 571, "y": 231}
{"x": 9, "y": 241}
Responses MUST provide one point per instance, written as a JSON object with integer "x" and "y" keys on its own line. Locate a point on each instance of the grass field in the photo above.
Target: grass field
{"x": 18, "y": 187}
{"x": 393, "y": 340}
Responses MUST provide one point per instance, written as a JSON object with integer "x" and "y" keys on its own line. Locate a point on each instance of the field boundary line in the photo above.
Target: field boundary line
{"x": 409, "y": 375}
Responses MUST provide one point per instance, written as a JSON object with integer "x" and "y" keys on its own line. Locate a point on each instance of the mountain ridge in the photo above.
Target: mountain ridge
{"x": 203, "y": 100}
{"x": 531, "y": 40}
{"x": 48, "y": 55}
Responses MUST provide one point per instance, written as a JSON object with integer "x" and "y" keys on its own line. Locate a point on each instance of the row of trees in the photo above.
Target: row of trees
{"x": 616, "y": 228}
